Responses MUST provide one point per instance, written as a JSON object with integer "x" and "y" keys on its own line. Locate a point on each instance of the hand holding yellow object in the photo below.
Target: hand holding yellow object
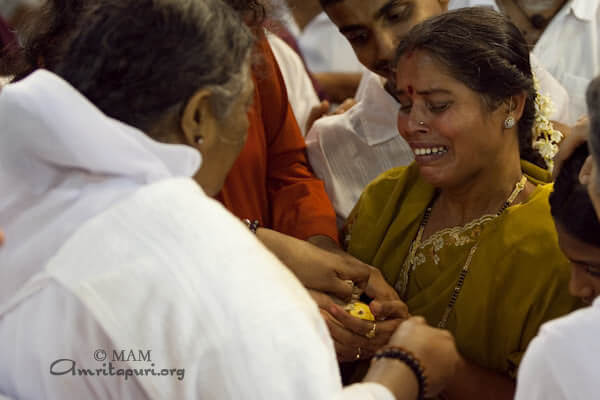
{"x": 357, "y": 308}
{"x": 360, "y": 310}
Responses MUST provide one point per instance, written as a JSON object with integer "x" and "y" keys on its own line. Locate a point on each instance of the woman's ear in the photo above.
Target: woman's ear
{"x": 444, "y": 5}
{"x": 197, "y": 120}
{"x": 517, "y": 105}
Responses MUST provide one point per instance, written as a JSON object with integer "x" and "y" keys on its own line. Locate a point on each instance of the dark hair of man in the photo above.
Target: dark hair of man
{"x": 570, "y": 202}
{"x": 484, "y": 50}
{"x": 136, "y": 60}
{"x": 593, "y": 104}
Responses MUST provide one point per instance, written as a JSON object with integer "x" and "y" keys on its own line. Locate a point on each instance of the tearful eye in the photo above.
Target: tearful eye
{"x": 437, "y": 108}
{"x": 593, "y": 271}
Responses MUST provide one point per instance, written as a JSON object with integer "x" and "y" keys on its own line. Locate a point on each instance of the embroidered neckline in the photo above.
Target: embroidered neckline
{"x": 457, "y": 229}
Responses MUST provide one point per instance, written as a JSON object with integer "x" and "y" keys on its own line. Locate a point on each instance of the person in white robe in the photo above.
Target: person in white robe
{"x": 119, "y": 276}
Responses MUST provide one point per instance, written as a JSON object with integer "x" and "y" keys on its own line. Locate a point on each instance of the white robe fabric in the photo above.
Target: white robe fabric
{"x": 561, "y": 362}
{"x": 112, "y": 248}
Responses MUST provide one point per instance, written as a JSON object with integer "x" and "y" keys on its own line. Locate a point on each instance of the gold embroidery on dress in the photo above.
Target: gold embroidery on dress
{"x": 429, "y": 250}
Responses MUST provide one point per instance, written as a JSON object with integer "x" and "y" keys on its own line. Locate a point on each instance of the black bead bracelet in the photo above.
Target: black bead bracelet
{"x": 408, "y": 359}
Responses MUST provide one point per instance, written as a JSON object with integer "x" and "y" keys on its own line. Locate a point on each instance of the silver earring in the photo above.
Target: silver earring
{"x": 200, "y": 140}
{"x": 509, "y": 122}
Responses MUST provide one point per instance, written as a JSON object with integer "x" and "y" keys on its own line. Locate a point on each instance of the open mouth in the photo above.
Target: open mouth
{"x": 430, "y": 153}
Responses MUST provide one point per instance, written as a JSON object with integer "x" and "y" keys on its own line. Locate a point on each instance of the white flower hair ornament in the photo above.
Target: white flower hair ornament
{"x": 545, "y": 138}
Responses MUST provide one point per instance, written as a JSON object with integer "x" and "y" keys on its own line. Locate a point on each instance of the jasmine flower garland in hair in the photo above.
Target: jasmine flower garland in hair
{"x": 545, "y": 138}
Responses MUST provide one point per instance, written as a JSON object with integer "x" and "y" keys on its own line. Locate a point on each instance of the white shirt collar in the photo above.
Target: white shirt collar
{"x": 585, "y": 9}
{"x": 47, "y": 127}
{"x": 377, "y": 111}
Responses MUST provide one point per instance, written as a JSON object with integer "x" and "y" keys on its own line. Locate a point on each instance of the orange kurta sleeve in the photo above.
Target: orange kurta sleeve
{"x": 271, "y": 181}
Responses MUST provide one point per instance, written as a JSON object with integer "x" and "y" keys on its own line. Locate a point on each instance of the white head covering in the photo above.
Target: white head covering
{"x": 62, "y": 161}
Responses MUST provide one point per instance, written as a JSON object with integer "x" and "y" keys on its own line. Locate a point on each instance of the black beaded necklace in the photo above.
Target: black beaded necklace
{"x": 519, "y": 186}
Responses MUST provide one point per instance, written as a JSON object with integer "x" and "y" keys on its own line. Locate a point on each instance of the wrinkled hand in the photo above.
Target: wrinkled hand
{"x": 317, "y": 268}
{"x": 350, "y": 333}
{"x": 378, "y": 288}
{"x": 329, "y": 272}
{"x": 577, "y": 136}
{"x": 434, "y": 348}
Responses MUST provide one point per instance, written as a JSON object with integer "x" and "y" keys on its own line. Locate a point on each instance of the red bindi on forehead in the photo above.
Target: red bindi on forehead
{"x": 410, "y": 90}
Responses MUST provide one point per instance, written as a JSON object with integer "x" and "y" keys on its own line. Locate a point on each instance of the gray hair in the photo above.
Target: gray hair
{"x": 138, "y": 60}
{"x": 593, "y": 103}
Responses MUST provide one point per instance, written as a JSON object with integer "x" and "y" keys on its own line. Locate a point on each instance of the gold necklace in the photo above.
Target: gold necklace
{"x": 519, "y": 186}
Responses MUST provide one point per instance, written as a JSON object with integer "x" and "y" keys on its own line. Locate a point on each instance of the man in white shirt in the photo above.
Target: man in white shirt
{"x": 328, "y": 55}
{"x": 567, "y": 45}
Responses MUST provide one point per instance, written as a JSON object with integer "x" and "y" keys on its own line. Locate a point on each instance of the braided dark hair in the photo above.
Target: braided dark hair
{"x": 484, "y": 50}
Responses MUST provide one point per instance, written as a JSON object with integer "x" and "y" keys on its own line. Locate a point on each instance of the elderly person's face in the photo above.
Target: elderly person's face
{"x": 375, "y": 27}
{"x": 585, "y": 265}
{"x": 219, "y": 139}
{"x": 447, "y": 125}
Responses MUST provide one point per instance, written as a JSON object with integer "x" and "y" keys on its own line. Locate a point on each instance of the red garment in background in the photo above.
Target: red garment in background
{"x": 271, "y": 181}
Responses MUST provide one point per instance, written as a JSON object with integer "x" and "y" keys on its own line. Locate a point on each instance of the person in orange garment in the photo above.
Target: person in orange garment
{"x": 272, "y": 187}
{"x": 271, "y": 181}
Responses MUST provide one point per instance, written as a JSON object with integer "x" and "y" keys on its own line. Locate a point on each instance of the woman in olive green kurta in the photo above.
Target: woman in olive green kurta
{"x": 477, "y": 217}
{"x": 517, "y": 278}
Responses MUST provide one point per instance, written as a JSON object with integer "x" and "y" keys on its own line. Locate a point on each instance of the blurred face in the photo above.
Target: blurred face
{"x": 225, "y": 139}
{"x": 375, "y": 27}
{"x": 539, "y": 6}
{"x": 585, "y": 265}
{"x": 449, "y": 129}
